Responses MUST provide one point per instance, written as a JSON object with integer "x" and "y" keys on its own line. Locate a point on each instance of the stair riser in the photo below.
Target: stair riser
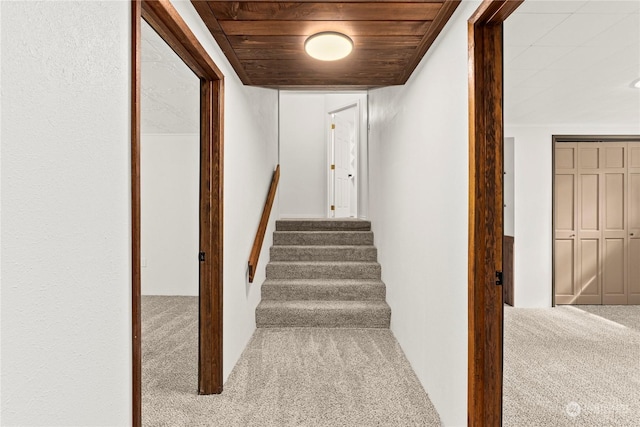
{"x": 324, "y": 292}
{"x": 328, "y": 225}
{"x": 321, "y": 253}
{"x": 287, "y": 318}
{"x": 332, "y": 271}
{"x": 323, "y": 238}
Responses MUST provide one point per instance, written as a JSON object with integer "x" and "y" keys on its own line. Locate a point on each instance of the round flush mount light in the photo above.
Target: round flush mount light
{"x": 636, "y": 84}
{"x": 328, "y": 46}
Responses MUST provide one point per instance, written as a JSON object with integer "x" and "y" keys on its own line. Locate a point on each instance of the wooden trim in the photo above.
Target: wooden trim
{"x": 262, "y": 227}
{"x": 203, "y": 9}
{"x": 166, "y": 21}
{"x": 486, "y": 139}
{"x": 436, "y": 27}
{"x": 136, "y": 324}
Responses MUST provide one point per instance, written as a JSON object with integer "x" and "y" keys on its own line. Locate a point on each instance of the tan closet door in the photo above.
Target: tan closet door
{"x": 589, "y": 242}
{"x": 566, "y": 193}
{"x": 614, "y": 265}
{"x": 633, "y": 201}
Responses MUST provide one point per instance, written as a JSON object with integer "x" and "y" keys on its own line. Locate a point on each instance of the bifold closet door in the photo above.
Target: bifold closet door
{"x": 597, "y": 223}
{"x": 614, "y": 224}
{"x": 565, "y": 201}
{"x": 633, "y": 204}
{"x": 589, "y": 235}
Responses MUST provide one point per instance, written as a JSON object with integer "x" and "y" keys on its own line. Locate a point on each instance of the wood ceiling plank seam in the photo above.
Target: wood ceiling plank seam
{"x": 307, "y": 28}
{"x": 209, "y": 19}
{"x": 447, "y": 9}
{"x": 322, "y": 11}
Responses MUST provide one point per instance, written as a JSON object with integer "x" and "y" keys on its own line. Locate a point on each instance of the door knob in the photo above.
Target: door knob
{"x": 630, "y": 234}
{"x": 573, "y": 235}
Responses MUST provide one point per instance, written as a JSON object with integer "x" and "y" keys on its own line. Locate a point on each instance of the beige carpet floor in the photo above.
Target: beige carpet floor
{"x": 572, "y": 366}
{"x": 285, "y": 377}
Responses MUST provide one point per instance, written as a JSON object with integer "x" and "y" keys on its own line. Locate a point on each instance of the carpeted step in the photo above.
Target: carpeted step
{"x": 326, "y": 290}
{"x": 323, "y": 270}
{"x": 323, "y": 314}
{"x": 327, "y": 238}
{"x": 341, "y": 224}
{"x": 324, "y": 253}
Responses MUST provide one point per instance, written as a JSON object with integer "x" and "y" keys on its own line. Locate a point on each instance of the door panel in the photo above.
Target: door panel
{"x": 589, "y": 156}
{"x": 614, "y": 202}
{"x": 589, "y": 213}
{"x": 634, "y": 271}
{"x": 564, "y": 271}
{"x": 633, "y": 225}
{"x": 613, "y": 272}
{"x": 565, "y": 203}
{"x": 589, "y": 285}
{"x": 565, "y": 193}
{"x": 614, "y": 258}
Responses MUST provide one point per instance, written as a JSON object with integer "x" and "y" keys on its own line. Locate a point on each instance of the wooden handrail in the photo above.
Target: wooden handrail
{"x": 262, "y": 228}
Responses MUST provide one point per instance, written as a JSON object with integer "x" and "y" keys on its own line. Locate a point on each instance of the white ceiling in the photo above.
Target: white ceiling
{"x": 566, "y": 62}
{"x": 170, "y": 90}
{"x": 572, "y": 62}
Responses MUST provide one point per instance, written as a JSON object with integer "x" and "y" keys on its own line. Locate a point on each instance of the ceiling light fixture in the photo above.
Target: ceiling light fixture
{"x": 636, "y": 83}
{"x": 328, "y": 46}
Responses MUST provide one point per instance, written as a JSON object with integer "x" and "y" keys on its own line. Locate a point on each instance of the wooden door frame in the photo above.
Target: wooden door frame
{"x": 167, "y": 22}
{"x": 486, "y": 141}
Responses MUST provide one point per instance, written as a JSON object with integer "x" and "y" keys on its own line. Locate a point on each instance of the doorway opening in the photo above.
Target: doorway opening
{"x": 165, "y": 20}
{"x": 344, "y": 141}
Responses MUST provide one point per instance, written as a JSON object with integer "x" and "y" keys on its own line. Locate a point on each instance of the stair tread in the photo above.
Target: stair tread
{"x": 324, "y": 304}
{"x": 336, "y": 247}
{"x": 323, "y": 282}
{"x": 323, "y": 262}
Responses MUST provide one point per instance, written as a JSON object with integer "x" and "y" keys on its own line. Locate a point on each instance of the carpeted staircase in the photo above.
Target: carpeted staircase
{"x": 323, "y": 273}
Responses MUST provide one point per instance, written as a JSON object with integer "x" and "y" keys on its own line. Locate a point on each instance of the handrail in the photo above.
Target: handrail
{"x": 262, "y": 228}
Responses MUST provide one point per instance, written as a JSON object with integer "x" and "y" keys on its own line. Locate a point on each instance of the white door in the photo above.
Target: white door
{"x": 344, "y": 146}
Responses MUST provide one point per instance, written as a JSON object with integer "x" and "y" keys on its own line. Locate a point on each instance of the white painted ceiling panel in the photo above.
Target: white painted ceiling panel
{"x": 572, "y": 62}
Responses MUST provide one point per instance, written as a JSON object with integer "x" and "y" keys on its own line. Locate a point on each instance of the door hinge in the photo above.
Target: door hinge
{"x": 333, "y": 167}
{"x": 333, "y": 207}
{"x": 333, "y": 126}
{"x": 499, "y": 278}
{"x": 201, "y": 256}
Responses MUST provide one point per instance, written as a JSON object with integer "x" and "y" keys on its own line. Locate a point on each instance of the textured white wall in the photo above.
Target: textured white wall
{"x": 303, "y": 154}
{"x": 66, "y": 287}
{"x": 419, "y": 211}
{"x": 509, "y": 182}
{"x": 533, "y": 205}
{"x": 250, "y": 156}
{"x": 304, "y": 137}
{"x": 170, "y": 184}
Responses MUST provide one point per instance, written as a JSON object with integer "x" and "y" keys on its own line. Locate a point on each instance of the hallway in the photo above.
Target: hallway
{"x": 285, "y": 376}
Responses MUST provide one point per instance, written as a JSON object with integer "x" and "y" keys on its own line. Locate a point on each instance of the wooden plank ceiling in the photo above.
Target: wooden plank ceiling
{"x": 264, "y": 40}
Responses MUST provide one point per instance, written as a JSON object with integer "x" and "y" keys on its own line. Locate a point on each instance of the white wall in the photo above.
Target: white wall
{"x": 250, "y": 156}
{"x": 66, "y": 281}
{"x": 509, "y": 182}
{"x": 304, "y": 152}
{"x": 419, "y": 212}
{"x": 170, "y": 184}
{"x": 533, "y": 205}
